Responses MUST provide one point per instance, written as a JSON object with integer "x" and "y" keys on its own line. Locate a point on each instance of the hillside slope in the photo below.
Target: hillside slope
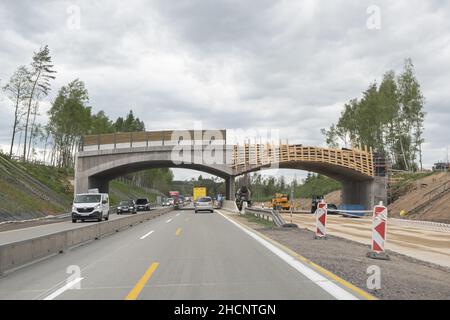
{"x": 30, "y": 191}
{"x": 427, "y": 199}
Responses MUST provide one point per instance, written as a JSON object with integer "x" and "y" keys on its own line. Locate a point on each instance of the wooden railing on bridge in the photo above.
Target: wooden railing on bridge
{"x": 249, "y": 155}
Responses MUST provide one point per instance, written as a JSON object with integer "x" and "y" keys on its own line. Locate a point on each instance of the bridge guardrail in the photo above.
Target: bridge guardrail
{"x": 18, "y": 254}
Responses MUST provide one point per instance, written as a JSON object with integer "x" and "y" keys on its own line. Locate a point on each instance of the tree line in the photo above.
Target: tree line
{"x": 389, "y": 118}
{"x": 264, "y": 188}
{"x": 69, "y": 118}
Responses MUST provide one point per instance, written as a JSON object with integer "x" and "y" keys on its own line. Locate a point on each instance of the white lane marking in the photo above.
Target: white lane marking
{"x": 326, "y": 284}
{"x": 169, "y": 220}
{"x": 146, "y": 235}
{"x": 63, "y": 289}
{"x": 177, "y": 214}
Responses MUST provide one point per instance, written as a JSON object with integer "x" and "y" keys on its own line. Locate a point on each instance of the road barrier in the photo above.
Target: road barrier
{"x": 379, "y": 226}
{"x": 267, "y": 214}
{"x": 230, "y": 205}
{"x": 19, "y": 254}
{"x": 321, "y": 221}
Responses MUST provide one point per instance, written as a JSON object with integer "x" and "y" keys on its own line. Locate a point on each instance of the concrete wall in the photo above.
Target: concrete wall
{"x": 230, "y": 206}
{"x": 18, "y": 254}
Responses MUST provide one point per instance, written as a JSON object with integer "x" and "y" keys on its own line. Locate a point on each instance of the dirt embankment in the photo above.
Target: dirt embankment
{"x": 427, "y": 199}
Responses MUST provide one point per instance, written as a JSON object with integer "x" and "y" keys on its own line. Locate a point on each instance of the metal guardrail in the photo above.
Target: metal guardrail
{"x": 434, "y": 226}
{"x": 266, "y": 214}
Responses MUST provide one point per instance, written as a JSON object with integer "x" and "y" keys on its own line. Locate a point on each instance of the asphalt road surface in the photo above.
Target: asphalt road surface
{"x": 180, "y": 255}
{"x": 20, "y": 234}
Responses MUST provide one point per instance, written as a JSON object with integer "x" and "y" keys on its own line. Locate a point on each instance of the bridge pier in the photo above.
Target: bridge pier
{"x": 229, "y": 188}
{"x": 367, "y": 193}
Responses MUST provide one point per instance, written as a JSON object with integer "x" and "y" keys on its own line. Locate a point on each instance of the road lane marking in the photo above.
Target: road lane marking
{"x": 326, "y": 284}
{"x": 146, "y": 235}
{"x": 63, "y": 289}
{"x": 169, "y": 220}
{"x": 178, "y": 232}
{"x": 134, "y": 293}
{"x": 177, "y": 214}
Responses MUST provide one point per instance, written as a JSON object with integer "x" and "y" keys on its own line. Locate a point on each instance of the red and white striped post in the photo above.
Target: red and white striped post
{"x": 379, "y": 227}
{"x": 321, "y": 221}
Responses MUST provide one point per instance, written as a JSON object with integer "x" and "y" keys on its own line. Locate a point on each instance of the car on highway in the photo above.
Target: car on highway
{"x": 142, "y": 204}
{"x": 170, "y": 201}
{"x": 90, "y": 206}
{"x": 126, "y": 206}
{"x": 204, "y": 204}
{"x": 331, "y": 208}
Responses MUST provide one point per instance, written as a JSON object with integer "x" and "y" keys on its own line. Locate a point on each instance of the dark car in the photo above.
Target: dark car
{"x": 126, "y": 206}
{"x": 331, "y": 208}
{"x": 142, "y": 204}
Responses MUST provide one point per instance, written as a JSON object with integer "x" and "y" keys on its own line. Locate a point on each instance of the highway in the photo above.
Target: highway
{"x": 179, "y": 255}
{"x": 15, "y": 235}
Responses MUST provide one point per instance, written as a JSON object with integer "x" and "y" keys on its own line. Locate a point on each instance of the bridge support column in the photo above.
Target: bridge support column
{"x": 83, "y": 184}
{"x": 367, "y": 193}
{"x": 229, "y": 188}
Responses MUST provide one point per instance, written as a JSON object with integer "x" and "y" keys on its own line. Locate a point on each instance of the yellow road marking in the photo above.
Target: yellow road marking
{"x": 324, "y": 271}
{"x": 177, "y": 233}
{"x": 134, "y": 293}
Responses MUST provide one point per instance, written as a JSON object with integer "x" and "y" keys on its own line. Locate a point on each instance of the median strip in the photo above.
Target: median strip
{"x": 134, "y": 293}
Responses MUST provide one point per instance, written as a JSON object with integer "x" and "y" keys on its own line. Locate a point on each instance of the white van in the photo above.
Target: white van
{"x": 90, "y": 206}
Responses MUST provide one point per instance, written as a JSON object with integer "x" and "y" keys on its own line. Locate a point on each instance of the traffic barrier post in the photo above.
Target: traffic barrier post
{"x": 321, "y": 221}
{"x": 379, "y": 227}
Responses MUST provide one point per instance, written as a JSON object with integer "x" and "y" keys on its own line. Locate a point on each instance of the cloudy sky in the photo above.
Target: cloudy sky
{"x": 283, "y": 65}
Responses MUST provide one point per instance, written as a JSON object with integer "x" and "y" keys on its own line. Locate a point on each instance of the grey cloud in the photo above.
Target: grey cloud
{"x": 288, "y": 65}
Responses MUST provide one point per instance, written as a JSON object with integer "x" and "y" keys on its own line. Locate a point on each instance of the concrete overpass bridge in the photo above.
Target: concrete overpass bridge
{"x": 105, "y": 157}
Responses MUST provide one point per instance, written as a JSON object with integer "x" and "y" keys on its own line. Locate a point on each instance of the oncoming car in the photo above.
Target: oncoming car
{"x": 126, "y": 206}
{"x": 204, "y": 204}
{"x": 90, "y": 206}
{"x": 142, "y": 204}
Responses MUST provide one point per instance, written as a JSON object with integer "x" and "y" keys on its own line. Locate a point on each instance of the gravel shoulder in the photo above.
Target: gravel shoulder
{"x": 402, "y": 278}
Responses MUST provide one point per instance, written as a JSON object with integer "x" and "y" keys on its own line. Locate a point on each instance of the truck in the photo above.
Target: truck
{"x": 281, "y": 202}
{"x": 175, "y": 195}
{"x": 198, "y": 192}
{"x": 243, "y": 196}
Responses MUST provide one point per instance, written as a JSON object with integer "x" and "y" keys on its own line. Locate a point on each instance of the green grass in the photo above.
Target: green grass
{"x": 54, "y": 178}
{"x": 16, "y": 200}
{"x": 121, "y": 191}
